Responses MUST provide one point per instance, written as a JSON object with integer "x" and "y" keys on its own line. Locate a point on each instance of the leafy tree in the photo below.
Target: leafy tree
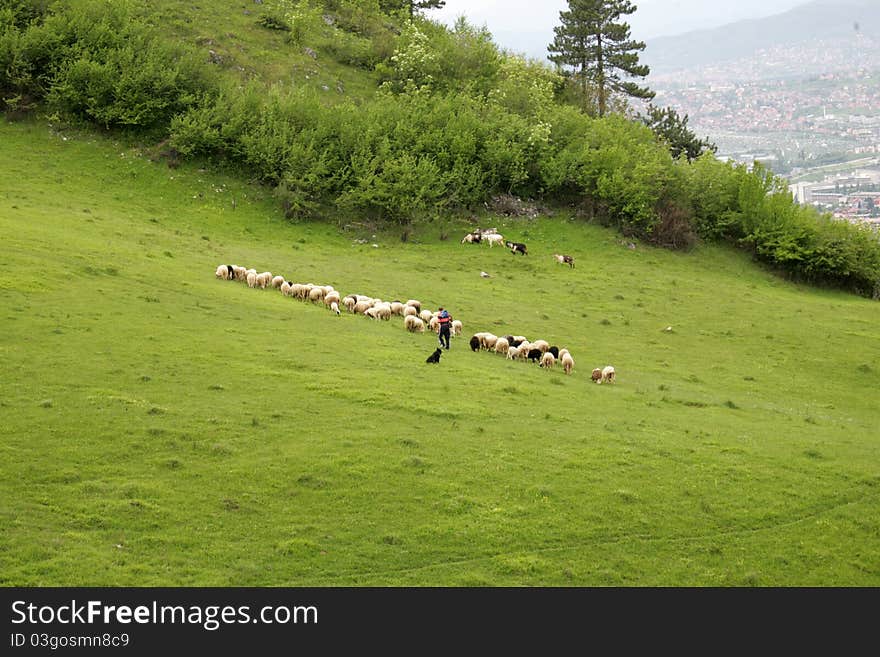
{"x": 410, "y": 6}
{"x": 596, "y": 45}
{"x": 672, "y": 128}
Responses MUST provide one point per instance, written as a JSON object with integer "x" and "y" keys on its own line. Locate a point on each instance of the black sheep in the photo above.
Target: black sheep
{"x": 554, "y": 351}
{"x": 475, "y": 343}
{"x": 535, "y": 354}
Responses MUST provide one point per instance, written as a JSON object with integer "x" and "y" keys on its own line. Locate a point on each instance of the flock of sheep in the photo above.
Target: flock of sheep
{"x": 415, "y": 319}
{"x": 493, "y": 237}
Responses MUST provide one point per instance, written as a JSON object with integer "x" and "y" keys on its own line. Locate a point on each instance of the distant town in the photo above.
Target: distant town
{"x": 819, "y": 130}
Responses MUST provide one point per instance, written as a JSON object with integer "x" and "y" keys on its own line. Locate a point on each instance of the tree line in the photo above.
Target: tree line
{"x": 454, "y": 122}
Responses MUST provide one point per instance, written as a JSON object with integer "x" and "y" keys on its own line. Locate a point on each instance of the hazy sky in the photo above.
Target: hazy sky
{"x": 526, "y": 26}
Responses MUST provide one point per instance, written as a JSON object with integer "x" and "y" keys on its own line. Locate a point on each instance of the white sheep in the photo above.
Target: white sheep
{"x": 331, "y": 297}
{"x": 264, "y": 279}
{"x": 349, "y": 303}
{"x": 410, "y": 311}
{"x": 397, "y": 308}
{"x": 607, "y": 374}
{"x": 334, "y": 307}
{"x": 277, "y": 281}
{"x": 285, "y": 289}
{"x": 252, "y": 278}
{"x": 426, "y": 316}
{"x": 513, "y": 353}
{"x": 316, "y": 293}
{"x": 548, "y": 360}
{"x": 567, "y": 362}
{"x": 501, "y": 346}
{"x": 488, "y": 341}
{"x": 456, "y": 327}
{"x": 493, "y": 239}
{"x": 415, "y": 304}
{"x": 222, "y": 272}
{"x": 383, "y": 311}
{"x": 361, "y": 306}
{"x": 542, "y": 345}
{"x": 240, "y": 273}
{"x": 414, "y": 324}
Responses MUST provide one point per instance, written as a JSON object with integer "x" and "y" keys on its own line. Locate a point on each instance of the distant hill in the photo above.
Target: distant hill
{"x": 849, "y": 28}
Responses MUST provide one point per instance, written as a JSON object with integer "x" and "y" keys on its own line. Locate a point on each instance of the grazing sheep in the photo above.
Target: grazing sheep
{"x": 361, "y": 306}
{"x": 555, "y": 351}
{"x": 277, "y": 281}
{"x": 316, "y": 293}
{"x": 426, "y": 316}
{"x": 331, "y": 297}
{"x": 567, "y": 362}
{"x": 534, "y": 354}
{"x": 494, "y": 239}
{"x": 397, "y": 308}
{"x": 285, "y": 289}
{"x": 607, "y": 374}
{"x": 501, "y": 346}
{"x": 372, "y": 313}
{"x": 543, "y": 345}
{"x": 475, "y": 343}
{"x": 456, "y": 327}
{"x": 513, "y": 353}
{"x": 252, "y": 279}
{"x": 415, "y": 304}
{"x": 596, "y": 375}
{"x": 489, "y": 341}
{"x": 410, "y": 311}
{"x": 334, "y": 307}
{"x": 564, "y": 259}
{"x": 225, "y": 272}
{"x": 548, "y": 360}
{"x": 349, "y": 303}
{"x": 264, "y": 279}
{"x": 416, "y": 324}
{"x": 383, "y": 311}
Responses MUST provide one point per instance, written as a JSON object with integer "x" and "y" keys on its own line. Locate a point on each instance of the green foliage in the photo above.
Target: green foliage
{"x": 672, "y": 128}
{"x": 101, "y": 62}
{"x": 753, "y": 208}
{"x": 430, "y": 57}
{"x": 594, "y": 46}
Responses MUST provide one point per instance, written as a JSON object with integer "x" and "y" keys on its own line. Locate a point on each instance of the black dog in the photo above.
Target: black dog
{"x": 435, "y": 357}
{"x": 516, "y": 247}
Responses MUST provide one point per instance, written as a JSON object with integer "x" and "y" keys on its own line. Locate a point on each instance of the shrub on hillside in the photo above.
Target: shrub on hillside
{"x": 101, "y": 62}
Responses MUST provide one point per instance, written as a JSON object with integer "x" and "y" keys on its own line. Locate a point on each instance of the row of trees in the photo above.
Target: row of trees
{"x": 454, "y": 122}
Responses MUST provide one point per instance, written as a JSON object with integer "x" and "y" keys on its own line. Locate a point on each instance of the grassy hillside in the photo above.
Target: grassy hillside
{"x": 316, "y": 55}
{"x": 161, "y": 427}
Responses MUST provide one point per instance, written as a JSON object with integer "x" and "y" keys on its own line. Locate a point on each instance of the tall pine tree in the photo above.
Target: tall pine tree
{"x": 594, "y": 45}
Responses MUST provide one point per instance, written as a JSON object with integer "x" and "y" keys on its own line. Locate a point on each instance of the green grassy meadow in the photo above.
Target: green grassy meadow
{"x": 162, "y": 427}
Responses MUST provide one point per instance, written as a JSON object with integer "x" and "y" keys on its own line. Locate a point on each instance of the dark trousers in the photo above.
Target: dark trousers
{"x": 444, "y": 335}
